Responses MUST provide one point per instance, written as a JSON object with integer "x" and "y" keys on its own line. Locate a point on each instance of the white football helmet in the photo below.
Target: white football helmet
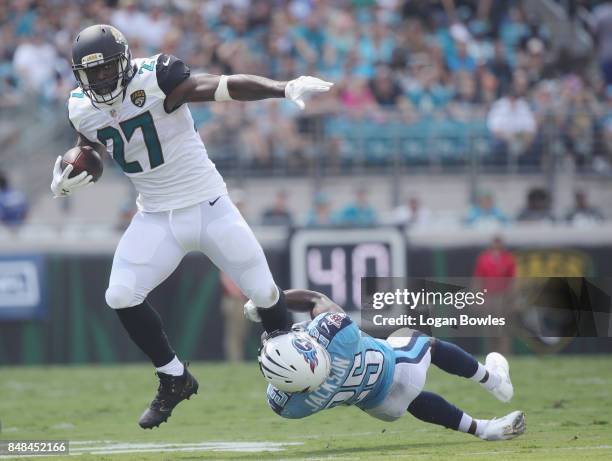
{"x": 294, "y": 362}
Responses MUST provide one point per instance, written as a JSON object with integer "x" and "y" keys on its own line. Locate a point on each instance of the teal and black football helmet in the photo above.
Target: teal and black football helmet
{"x": 102, "y": 63}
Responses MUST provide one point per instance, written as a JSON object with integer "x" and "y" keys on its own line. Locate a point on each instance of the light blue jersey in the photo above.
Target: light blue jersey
{"x": 361, "y": 374}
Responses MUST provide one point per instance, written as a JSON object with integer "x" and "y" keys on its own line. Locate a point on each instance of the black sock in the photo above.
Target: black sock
{"x": 432, "y": 408}
{"x": 452, "y": 359}
{"x": 144, "y": 326}
{"x": 275, "y": 317}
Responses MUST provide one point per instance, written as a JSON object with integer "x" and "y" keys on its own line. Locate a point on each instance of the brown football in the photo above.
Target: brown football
{"x": 83, "y": 158}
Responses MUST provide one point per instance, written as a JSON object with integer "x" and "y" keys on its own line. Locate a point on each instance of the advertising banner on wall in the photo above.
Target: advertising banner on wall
{"x": 22, "y": 288}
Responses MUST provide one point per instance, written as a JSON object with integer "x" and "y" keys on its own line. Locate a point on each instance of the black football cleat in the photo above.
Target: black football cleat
{"x": 171, "y": 391}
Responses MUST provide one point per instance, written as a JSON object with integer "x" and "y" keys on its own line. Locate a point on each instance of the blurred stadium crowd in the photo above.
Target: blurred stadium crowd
{"x": 416, "y": 81}
{"x": 484, "y": 213}
{"x": 406, "y": 72}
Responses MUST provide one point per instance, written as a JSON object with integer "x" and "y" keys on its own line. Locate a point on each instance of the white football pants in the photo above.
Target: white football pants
{"x": 408, "y": 382}
{"x": 155, "y": 243}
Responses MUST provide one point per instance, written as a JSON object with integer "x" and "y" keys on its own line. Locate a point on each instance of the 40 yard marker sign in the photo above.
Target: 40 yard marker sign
{"x": 333, "y": 261}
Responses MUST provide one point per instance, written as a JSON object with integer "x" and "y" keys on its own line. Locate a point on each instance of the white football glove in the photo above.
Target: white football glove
{"x": 250, "y": 312}
{"x": 304, "y": 85}
{"x": 62, "y": 185}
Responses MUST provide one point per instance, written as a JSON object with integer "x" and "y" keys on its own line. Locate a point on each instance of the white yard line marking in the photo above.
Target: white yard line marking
{"x": 325, "y": 458}
{"x": 105, "y": 447}
{"x": 216, "y": 446}
{"x": 89, "y": 442}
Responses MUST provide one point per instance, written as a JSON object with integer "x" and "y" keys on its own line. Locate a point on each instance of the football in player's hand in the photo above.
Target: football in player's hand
{"x": 83, "y": 158}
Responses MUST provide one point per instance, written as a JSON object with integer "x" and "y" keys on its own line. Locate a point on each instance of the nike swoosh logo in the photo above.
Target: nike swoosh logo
{"x": 167, "y": 62}
{"x": 214, "y": 201}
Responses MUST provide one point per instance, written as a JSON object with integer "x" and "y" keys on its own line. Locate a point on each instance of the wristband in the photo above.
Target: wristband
{"x": 222, "y": 92}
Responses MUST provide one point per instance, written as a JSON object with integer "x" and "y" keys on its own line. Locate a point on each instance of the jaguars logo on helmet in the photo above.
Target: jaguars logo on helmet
{"x": 119, "y": 38}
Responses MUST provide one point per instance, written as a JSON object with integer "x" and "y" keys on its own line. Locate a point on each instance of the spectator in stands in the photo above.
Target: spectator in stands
{"x": 495, "y": 262}
{"x": 35, "y": 61}
{"x": 512, "y": 125}
{"x": 410, "y": 214}
{"x": 548, "y": 107}
{"x": 533, "y": 60}
{"x": 536, "y": 32}
{"x": 320, "y": 213}
{"x": 385, "y": 89}
{"x": 23, "y": 17}
{"x": 284, "y": 139}
{"x": 461, "y": 61}
{"x": 487, "y": 86}
{"x": 357, "y": 97}
{"x": 13, "y": 204}
{"x": 427, "y": 89}
{"x": 500, "y": 67}
{"x": 278, "y": 214}
{"x": 310, "y": 38}
{"x": 409, "y": 39}
{"x": 358, "y": 213}
{"x": 375, "y": 47}
{"x": 537, "y": 208}
{"x": 580, "y": 109}
{"x": 484, "y": 211}
{"x": 583, "y": 214}
{"x": 428, "y": 45}
{"x": 463, "y": 106}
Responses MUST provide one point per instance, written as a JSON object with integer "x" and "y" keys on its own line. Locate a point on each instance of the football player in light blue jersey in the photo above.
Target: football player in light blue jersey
{"x": 329, "y": 361}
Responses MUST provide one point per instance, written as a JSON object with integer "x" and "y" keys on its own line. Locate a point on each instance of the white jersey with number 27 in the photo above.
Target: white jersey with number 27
{"x": 161, "y": 152}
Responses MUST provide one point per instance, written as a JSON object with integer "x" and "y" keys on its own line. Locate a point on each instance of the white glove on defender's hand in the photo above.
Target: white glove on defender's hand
{"x": 250, "y": 312}
{"x": 62, "y": 185}
{"x": 302, "y": 86}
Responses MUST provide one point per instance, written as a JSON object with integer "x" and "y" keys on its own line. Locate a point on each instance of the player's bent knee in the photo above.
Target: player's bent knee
{"x": 264, "y": 297}
{"x": 120, "y": 297}
{"x": 395, "y": 414}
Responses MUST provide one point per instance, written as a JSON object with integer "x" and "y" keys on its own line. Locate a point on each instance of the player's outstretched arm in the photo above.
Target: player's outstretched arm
{"x": 310, "y": 301}
{"x": 242, "y": 87}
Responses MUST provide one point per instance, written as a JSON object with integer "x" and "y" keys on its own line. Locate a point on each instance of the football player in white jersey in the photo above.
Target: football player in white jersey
{"x": 136, "y": 110}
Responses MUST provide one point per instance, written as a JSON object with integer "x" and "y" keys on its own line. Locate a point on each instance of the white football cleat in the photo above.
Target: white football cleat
{"x": 505, "y": 428}
{"x": 497, "y": 364}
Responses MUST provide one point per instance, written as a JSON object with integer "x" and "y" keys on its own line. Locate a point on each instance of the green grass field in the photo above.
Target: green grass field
{"x": 568, "y": 405}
